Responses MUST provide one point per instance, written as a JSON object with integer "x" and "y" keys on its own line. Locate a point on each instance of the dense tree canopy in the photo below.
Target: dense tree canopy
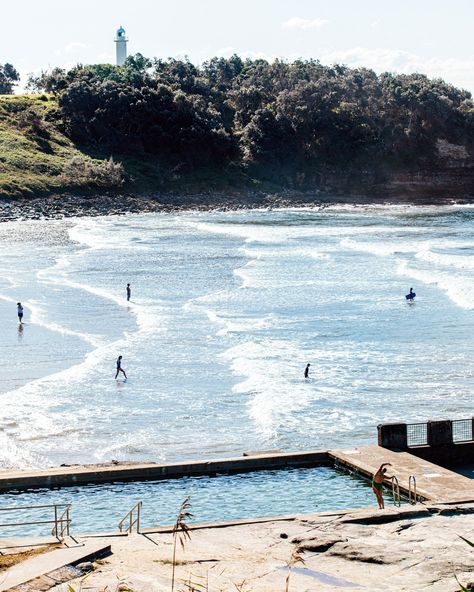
{"x": 8, "y": 78}
{"x": 251, "y": 113}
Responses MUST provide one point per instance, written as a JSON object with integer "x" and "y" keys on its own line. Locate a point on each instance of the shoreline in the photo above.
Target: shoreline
{"x": 68, "y": 206}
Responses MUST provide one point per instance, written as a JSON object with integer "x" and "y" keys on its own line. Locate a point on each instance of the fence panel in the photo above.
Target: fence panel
{"x": 462, "y": 430}
{"x": 417, "y": 434}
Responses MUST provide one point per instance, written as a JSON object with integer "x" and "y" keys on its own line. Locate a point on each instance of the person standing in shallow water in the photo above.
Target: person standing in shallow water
{"x": 119, "y": 368}
{"x": 377, "y": 483}
{"x": 306, "y": 371}
{"x": 19, "y": 309}
{"x": 129, "y": 292}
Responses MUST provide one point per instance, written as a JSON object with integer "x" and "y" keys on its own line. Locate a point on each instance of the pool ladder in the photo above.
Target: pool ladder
{"x": 133, "y": 517}
{"x": 395, "y": 491}
{"x": 412, "y": 496}
{"x": 412, "y": 490}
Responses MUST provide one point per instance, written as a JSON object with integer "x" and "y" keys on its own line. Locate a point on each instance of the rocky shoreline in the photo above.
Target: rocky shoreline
{"x": 397, "y": 549}
{"x": 66, "y": 206}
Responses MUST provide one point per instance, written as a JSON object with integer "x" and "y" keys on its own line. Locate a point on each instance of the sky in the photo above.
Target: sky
{"x": 429, "y": 36}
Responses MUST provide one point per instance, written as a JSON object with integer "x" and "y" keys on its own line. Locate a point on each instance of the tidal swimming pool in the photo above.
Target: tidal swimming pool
{"x": 224, "y": 497}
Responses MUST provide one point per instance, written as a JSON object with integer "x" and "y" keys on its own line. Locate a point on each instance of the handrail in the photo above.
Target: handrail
{"x": 14, "y": 508}
{"x": 131, "y": 522}
{"x": 64, "y": 521}
{"x": 395, "y": 491}
{"x": 412, "y": 481}
{"x": 56, "y": 521}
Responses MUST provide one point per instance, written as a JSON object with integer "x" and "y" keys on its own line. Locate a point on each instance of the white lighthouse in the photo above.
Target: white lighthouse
{"x": 121, "y": 47}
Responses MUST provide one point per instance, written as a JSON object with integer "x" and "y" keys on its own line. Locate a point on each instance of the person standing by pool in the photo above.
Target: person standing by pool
{"x": 129, "y": 292}
{"x": 377, "y": 483}
{"x": 306, "y": 371}
{"x": 19, "y": 309}
{"x": 119, "y": 368}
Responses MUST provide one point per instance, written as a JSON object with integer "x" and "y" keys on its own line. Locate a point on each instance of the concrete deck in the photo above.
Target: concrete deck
{"x": 36, "y": 567}
{"x": 433, "y": 482}
{"x": 88, "y": 474}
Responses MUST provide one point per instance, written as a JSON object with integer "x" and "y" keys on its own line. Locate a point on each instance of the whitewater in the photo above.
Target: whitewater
{"x": 227, "y": 309}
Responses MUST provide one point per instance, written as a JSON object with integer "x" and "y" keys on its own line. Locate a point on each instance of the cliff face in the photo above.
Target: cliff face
{"x": 450, "y": 176}
{"x": 430, "y": 185}
{"x": 448, "y": 183}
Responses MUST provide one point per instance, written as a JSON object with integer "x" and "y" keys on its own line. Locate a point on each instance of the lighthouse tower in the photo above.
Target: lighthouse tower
{"x": 121, "y": 47}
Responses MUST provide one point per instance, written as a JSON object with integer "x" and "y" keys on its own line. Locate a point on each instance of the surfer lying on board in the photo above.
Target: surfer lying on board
{"x": 411, "y": 296}
{"x": 377, "y": 483}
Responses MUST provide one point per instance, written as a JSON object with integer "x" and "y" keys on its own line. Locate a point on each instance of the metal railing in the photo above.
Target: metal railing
{"x": 462, "y": 430}
{"x": 412, "y": 490}
{"x": 61, "y": 522}
{"x": 395, "y": 491}
{"x": 135, "y": 511}
{"x": 62, "y": 526}
{"x": 417, "y": 434}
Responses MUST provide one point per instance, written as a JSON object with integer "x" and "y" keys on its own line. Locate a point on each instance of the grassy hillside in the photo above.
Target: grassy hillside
{"x": 36, "y": 158}
{"x": 39, "y": 158}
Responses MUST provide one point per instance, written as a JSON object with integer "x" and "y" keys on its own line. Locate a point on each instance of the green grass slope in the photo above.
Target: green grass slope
{"x": 36, "y": 157}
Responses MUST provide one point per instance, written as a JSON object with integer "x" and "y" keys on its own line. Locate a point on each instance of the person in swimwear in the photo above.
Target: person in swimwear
{"x": 119, "y": 368}
{"x": 306, "y": 371}
{"x": 19, "y": 309}
{"x": 377, "y": 483}
{"x": 411, "y": 295}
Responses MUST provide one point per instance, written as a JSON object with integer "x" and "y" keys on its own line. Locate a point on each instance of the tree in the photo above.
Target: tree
{"x": 8, "y": 79}
{"x": 282, "y": 118}
{"x": 50, "y": 81}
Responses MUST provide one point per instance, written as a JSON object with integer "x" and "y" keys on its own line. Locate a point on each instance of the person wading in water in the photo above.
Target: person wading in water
{"x": 377, "y": 483}
{"x": 119, "y": 368}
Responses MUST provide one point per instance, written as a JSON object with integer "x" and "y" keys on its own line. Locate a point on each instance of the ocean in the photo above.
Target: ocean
{"x": 226, "y": 310}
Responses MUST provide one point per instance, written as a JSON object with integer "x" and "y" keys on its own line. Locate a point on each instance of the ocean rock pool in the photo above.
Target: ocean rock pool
{"x": 224, "y": 497}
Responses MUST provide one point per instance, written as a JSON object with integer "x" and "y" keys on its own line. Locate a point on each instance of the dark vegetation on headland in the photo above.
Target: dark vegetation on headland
{"x": 154, "y": 127}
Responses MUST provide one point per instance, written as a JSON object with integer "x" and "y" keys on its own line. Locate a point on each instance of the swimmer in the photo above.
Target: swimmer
{"x": 119, "y": 368}
{"x": 306, "y": 371}
{"x": 377, "y": 483}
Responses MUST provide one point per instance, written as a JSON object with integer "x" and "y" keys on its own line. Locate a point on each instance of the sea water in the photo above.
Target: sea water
{"x": 227, "y": 309}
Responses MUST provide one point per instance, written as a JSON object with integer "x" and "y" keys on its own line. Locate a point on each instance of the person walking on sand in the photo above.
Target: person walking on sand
{"x": 377, "y": 483}
{"x": 119, "y": 368}
{"x": 19, "y": 309}
{"x": 306, "y": 371}
{"x": 129, "y": 292}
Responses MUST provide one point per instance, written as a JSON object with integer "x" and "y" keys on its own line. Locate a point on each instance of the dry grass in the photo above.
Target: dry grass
{"x": 7, "y": 561}
{"x": 180, "y": 532}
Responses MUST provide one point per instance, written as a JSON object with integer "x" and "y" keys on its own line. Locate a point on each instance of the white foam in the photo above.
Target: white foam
{"x": 449, "y": 260}
{"x": 459, "y": 288}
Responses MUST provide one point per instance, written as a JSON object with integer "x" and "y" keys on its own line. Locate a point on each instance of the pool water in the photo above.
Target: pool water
{"x": 465, "y": 470}
{"x": 224, "y": 497}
